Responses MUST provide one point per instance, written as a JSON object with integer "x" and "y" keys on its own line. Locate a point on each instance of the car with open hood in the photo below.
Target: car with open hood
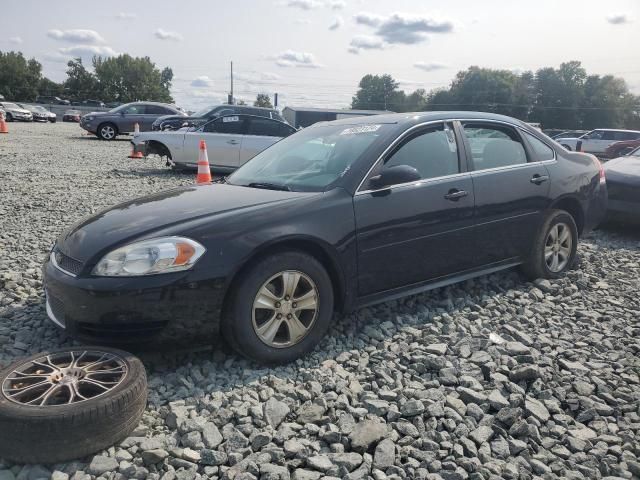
{"x": 337, "y": 216}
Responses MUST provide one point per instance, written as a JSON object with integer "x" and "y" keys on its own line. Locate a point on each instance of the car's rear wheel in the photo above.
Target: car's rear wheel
{"x": 107, "y": 131}
{"x": 280, "y": 309}
{"x": 554, "y": 248}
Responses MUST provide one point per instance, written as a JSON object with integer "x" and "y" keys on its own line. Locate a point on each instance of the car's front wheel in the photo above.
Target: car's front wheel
{"x": 280, "y": 309}
{"x": 554, "y": 248}
{"x": 107, "y": 131}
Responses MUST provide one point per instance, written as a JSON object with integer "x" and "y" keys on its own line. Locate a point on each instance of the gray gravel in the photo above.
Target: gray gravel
{"x": 493, "y": 378}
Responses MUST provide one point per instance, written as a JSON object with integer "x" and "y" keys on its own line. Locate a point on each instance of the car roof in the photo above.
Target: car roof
{"x": 419, "y": 117}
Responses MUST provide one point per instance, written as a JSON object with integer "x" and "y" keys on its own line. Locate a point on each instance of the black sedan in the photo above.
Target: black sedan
{"x": 337, "y": 216}
{"x": 623, "y": 182}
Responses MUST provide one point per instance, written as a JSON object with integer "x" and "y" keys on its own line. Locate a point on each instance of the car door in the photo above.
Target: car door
{"x": 418, "y": 231}
{"x": 130, "y": 116}
{"x": 511, "y": 187}
{"x": 261, "y": 133}
{"x": 223, "y": 137}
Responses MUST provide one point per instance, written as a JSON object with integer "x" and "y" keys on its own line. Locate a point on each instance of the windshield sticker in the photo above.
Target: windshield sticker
{"x": 230, "y": 119}
{"x": 360, "y": 129}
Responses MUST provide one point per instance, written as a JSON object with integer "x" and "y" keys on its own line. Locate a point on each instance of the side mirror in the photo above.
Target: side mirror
{"x": 394, "y": 176}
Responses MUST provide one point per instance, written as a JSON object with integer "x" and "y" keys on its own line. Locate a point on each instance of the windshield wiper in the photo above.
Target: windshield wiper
{"x": 269, "y": 186}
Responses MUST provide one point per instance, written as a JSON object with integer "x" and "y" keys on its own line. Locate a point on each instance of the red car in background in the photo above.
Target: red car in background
{"x": 622, "y": 148}
{"x": 72, "y": 116}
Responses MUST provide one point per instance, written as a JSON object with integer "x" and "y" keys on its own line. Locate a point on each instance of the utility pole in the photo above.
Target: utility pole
{"x": 230, "y": 99}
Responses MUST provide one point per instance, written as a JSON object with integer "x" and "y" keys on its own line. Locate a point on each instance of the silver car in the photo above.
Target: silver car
{"x": 231, "y": 141}
{"x": 122, "y": 119}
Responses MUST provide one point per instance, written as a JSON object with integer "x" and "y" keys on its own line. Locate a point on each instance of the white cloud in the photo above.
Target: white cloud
{"x": 88, "y": 51}
{"x": 291, "y": 58}
{"x": 403, "y": 28}
{"x": 618, "y": 19}
{"x": 202, "y": 82}
{"x": 126, "y": 16}
{"x": 337, "y": 23}
{"x": 368, "y": 19}
{"x": 429, "y": 66}
{"x": 76, "y": 36}
{"x": 15, "y": 40}
{"x": 166, "y": 35}
{"x": 366, "y": 42}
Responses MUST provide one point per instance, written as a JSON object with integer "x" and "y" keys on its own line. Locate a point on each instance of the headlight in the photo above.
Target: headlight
{"x": 150, "y": 257}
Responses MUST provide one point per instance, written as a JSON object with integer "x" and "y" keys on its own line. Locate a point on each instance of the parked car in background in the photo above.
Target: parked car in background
{"x": 14, "y": 112}
{"x": 122, "y": 119}
{"x": 620, "y": 149}
{"x": 214, "y": 111}
{"x": 92, "y": 103}
{"x": 569, "y": 134}
{"x": 231, "y": 141}
{"x": 51, "y": 100}
{"x": 335, "y": 217}
{"x": 597, "y": 141}
{"x": 623, "y": 187}
{"x": 72, "y": 116}
{"x": 40, "y": 113}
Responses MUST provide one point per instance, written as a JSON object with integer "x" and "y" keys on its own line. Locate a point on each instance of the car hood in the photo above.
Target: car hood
{"x": 163, "y": 212}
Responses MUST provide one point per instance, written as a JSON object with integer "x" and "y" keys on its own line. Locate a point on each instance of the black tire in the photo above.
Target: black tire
{"x": 58, "y": 433}
{"x": 536, "y": 266}
{"x": 103, "y": 130}
{"x": 237, "y": 323}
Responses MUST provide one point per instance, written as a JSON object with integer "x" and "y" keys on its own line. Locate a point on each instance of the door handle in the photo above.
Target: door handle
{"x": 455, "y": 194}
{"x": 233, "y": 142}
{"x": 538, "y": 179}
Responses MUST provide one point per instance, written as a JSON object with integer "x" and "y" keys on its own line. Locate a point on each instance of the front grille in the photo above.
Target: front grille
{"x": 67, "y": 263}
{"x": 57, "y": 308}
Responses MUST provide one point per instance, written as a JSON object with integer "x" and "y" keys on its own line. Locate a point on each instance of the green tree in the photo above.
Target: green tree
{"x": 378, "y": 92}
{"x": 80, "y": 83}
{"x": 263, "y": 100}
{"x": 19, "y": 77}
{"x": 126, "y": 79}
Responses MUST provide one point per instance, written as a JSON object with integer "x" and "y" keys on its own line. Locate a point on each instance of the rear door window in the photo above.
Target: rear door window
{"x": 494, "y": 145}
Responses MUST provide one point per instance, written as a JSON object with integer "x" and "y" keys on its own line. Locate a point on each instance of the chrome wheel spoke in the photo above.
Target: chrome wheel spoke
{"x": 296, "y": 329}
{"x": 269, "y": 329}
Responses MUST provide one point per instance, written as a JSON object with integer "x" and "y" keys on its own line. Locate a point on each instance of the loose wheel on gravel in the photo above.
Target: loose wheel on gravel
{"x": 554, "y": 248}
{"x": 66, "y": 404}
{"x": 280, "y": 309}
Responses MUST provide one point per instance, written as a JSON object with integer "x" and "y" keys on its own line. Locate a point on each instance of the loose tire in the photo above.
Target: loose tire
{"x": 107, "y": 131}
{"x": 554, "y": 248}
{"x": 280, "y": 309}
{"x": 96, "y": 417}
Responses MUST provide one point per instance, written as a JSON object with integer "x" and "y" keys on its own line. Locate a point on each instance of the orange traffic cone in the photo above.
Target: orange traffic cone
{"x": 204, "y": 170}
{"x": 134, "y": 154}
{"x": 3, "y": 124}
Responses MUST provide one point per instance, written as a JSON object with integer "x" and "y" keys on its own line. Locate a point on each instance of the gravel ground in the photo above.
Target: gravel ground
{"x": 493, "y": 378}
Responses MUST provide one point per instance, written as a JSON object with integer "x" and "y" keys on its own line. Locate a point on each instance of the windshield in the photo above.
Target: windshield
{"x": 204, "y": 111}
{"x": 310, "y": 160}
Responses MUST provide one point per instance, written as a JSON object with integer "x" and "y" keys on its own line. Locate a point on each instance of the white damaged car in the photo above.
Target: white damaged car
{"x": 231, "y": 141}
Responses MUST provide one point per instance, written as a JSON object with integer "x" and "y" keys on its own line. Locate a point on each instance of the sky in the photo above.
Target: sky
{"x": 314, "y": 52}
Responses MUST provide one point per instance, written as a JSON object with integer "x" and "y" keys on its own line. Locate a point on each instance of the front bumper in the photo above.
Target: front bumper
{"x": 168, "y": 308}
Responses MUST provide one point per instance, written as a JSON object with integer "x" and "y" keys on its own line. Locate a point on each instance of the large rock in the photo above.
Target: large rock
{"x": 367, "y": 433}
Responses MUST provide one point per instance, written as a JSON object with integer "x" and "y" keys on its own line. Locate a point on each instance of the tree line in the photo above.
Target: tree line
{"x": 564, "y": 97}
{"x": 114, "y": 79}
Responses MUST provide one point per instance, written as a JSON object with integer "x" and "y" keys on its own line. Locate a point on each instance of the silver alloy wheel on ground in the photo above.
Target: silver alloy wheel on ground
{"x": 557, "y": 247}
{"x": 63, "y": 378}
{"x": 107, "y": 132}
{"x": 285, "y": 309}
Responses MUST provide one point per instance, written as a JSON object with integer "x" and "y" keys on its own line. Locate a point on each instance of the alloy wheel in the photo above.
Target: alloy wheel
{"x": 285, "y": 309}
{"x": 557, "y": 247}
{"x": 107, "y": 132}
{"x": 64, "y": 378}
